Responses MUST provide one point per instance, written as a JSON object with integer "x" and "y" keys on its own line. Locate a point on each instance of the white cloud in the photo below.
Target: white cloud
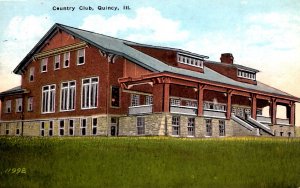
{"x": 21, "y": 34}
{"x": 148, "y": 25}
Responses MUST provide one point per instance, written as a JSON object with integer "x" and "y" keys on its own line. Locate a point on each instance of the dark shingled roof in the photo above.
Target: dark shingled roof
{"x": 12, "y": 91}
{"x": 122, "y": 48}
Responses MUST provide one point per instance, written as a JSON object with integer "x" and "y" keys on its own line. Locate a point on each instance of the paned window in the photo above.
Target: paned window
{"x": 56, "y": 62}
{"x": 71, "y": 127}
{"x": 31, "y": 74}
{"x": 175, "y": 125}
{"x": 221, "y": 128}
{"x": 208, "y": 125}
{"x": 191, "y": 127}
{"x": 30, "y": 104}
{"x": 135, "y": 100}
{"x": 94, "y": 126}
{"x": 140, "y": 124}
{"x": 149, "y": 100}
{"x": 19, "y": 105}
{"x": 42, "y": 128}
{"x": 83, "y": 127}
{"x": 80, "y": 57}
{"x": 68, "y": 96}
{"x": 61, "y": 128}
{"x": 8, "y": 106}
{"x": 66, "y": 59}
{"x": 115, "y": 96}
{"x": 44, "y": 63}
{"x": 50, "y": 128}
{"x": 48, "y": 99}
{"x": 89, "y": 93}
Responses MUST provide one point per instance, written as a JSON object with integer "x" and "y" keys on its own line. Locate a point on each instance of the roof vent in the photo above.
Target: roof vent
{"x": 227, "y": 58}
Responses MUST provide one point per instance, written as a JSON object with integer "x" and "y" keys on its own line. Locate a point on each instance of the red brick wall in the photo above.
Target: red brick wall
{"x": 60, "y": 39}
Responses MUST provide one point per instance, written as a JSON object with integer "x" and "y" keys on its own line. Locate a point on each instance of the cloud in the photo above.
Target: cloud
{"x": 148, "y": 25}
{"x": 21, "y": 34}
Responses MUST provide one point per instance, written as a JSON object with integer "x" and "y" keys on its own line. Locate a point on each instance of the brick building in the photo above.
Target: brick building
{"x": 76, "y": 82}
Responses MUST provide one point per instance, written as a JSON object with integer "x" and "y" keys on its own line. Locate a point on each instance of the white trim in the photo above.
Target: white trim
{"x": 31, "y": 73}
{"x": 68, "y": 88}
{"x": 66, "y": 58}
{"x": 30, "y": 103}
{"x": 55, "y": 61}
{"x": 195, "y": 59}
{"x": 77, "y": 56}
{"x": 8, "y": 103}
{"x": 44, "y": 62}
{"x": 81, "y": 127}
{"x": 250, "y": 75}
{"x": 143, "y": 125}
{"x": 19, "y": 103}
{"x": 48, "y": 99}
{"x": 90, "y": 94}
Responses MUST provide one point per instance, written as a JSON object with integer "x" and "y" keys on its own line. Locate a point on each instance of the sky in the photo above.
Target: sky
{"x": 261, "y": 34}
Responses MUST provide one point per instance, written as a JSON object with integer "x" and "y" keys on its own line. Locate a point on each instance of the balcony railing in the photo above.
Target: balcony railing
{"x": 187, "y": 110}
{"x": 211, "y": 109}
{"x": 282, "y": 121}
{"x": 141, "y": 109}
{"x": 264, "y": 119}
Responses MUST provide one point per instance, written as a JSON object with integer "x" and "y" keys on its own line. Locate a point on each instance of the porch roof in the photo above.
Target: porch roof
{"x": 12, "y": 91}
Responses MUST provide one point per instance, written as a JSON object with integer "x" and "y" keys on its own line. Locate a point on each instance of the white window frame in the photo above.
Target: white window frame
{"x": 90, "y": 90}
{"x": 71, "y": 127}
{"x": 189, "y": 60}
{"x": 83, "y": 127}
{"x": 30, "y": 104}
{"x": 81, "y": 53}
{"x": 222, "y": 131}
{"x": 175, "y": 102}
{"x": 68, "y": 96}
{"x": 140, "y": 125}
{"x": 61, "y": 127}
{"x": 51, "y": 125}
{"x": 44, "y": 63}
{"x": 208, "y": 127}
{"x": 149, "y": 100}
{"x": 42, "y": 128}
{"x": 48, "y": 93}
{"x": 246, "y": 74}
{"x": 8, "y": 108}
{"x": 175, "y": 125}
{"x": 19, "y": 104}
{"x": 135, "y": 100}
{"x": 66, "y": 57}
{"x": 191, "y": 127}
{"x": 31, "y": 74}
{"x": 56, "y": 61}
{"x": 94, "y": 126}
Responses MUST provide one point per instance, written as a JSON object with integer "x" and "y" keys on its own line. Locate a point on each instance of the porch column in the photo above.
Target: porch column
{"x": 273, "y": 110}
{"x": 166, "y": 102}
{"x": 158, "y": 97}
{"x": 200, "y": 99}
{"x": 292, "y": 114}
{"x": 228, "y": 112}
{"x": 253, "y": 107}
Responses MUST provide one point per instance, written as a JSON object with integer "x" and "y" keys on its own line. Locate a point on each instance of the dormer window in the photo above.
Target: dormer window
{"x": 190, "y": 60}
{"x": 56, "y": 62}
{"x": 246, "y": 74}
{"x": 66, "y": 59}
{"x": 44, "y": 65}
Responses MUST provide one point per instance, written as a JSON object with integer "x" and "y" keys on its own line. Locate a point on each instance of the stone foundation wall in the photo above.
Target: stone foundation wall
{"x": 283, "y": 130}
{"x": 239, "y": 130}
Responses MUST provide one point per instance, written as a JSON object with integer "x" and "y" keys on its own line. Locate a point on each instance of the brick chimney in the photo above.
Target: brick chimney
{"x": 227, "y": 58}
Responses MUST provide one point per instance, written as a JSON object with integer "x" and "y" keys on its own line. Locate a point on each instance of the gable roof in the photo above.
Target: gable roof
{"x": 122, "y": 48}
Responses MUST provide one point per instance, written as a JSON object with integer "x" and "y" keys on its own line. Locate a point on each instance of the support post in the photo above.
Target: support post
{"x": 200, "y": 99}
{"x": 292, "y": 114}
{"x": 166, "y": 107}
{"x": 273, "y": 110}
{"x": 253, "y": 107}
{"x": 228, "y": 112}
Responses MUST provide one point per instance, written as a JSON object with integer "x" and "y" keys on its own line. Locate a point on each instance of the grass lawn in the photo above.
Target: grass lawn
{"x": 149, "y": 162}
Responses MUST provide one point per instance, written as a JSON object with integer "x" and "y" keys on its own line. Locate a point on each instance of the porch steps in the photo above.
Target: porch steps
{"x": 243, "y": 122}
{"x": 266, "y": 128}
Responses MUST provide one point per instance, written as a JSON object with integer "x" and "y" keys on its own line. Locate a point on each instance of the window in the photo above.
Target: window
{"x": 19, "y": 106}
{"x": 208, "y": 127}
{"x": 61, "y": 127}
{"x": 51, "y": 128}
{"x": 31, "y": 74}
{"x": 80, "y": 57}
{"x": 71, "y": 127}
{"x": 30, "y": 104}
{"x": 140, "y": 125}
{"x": 289, "y": 134}
{"x": 8, "y": 106}
{"x": 281, "y": 133}
{"x": 48, "y": 99}
{"x": 246, "y": 74}
{"x": 67, "y": 96}
{"x": 56, "y": 62}
{"x": 89, "y": 93}
{"x": 83, "y": 127}
{"x": 149, "y": 100}
{"x": 44, "y": 65}
{"x": 189, "y": 60}
{"x": 175, "y": 102}
{"x": 175, "y": 125}
{"x": 42, "y": 128}
{"x": 221, "y": 128}
{"x": 115, "y": 96}
{"x": 135, "y": 100}
{"x": 18, "y": 126}
{"x": 66, "y": 59}
{"x": 94, "y": 127}
{"x": 7, "y": 129}
{"x": 191, "y": 127}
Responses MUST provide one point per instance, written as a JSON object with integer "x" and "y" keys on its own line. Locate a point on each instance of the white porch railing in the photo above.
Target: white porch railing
{"x": 187, "y": 110}
{"x": 282, "y": 121}
{"x": 263, "y": 119}
{"x": 211, "y": 109}
{"x": 142, "y": 109}
{"x": 214, "y": 113}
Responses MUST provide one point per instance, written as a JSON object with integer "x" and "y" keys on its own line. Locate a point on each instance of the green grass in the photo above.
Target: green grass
{"x": 150, "y": 162}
